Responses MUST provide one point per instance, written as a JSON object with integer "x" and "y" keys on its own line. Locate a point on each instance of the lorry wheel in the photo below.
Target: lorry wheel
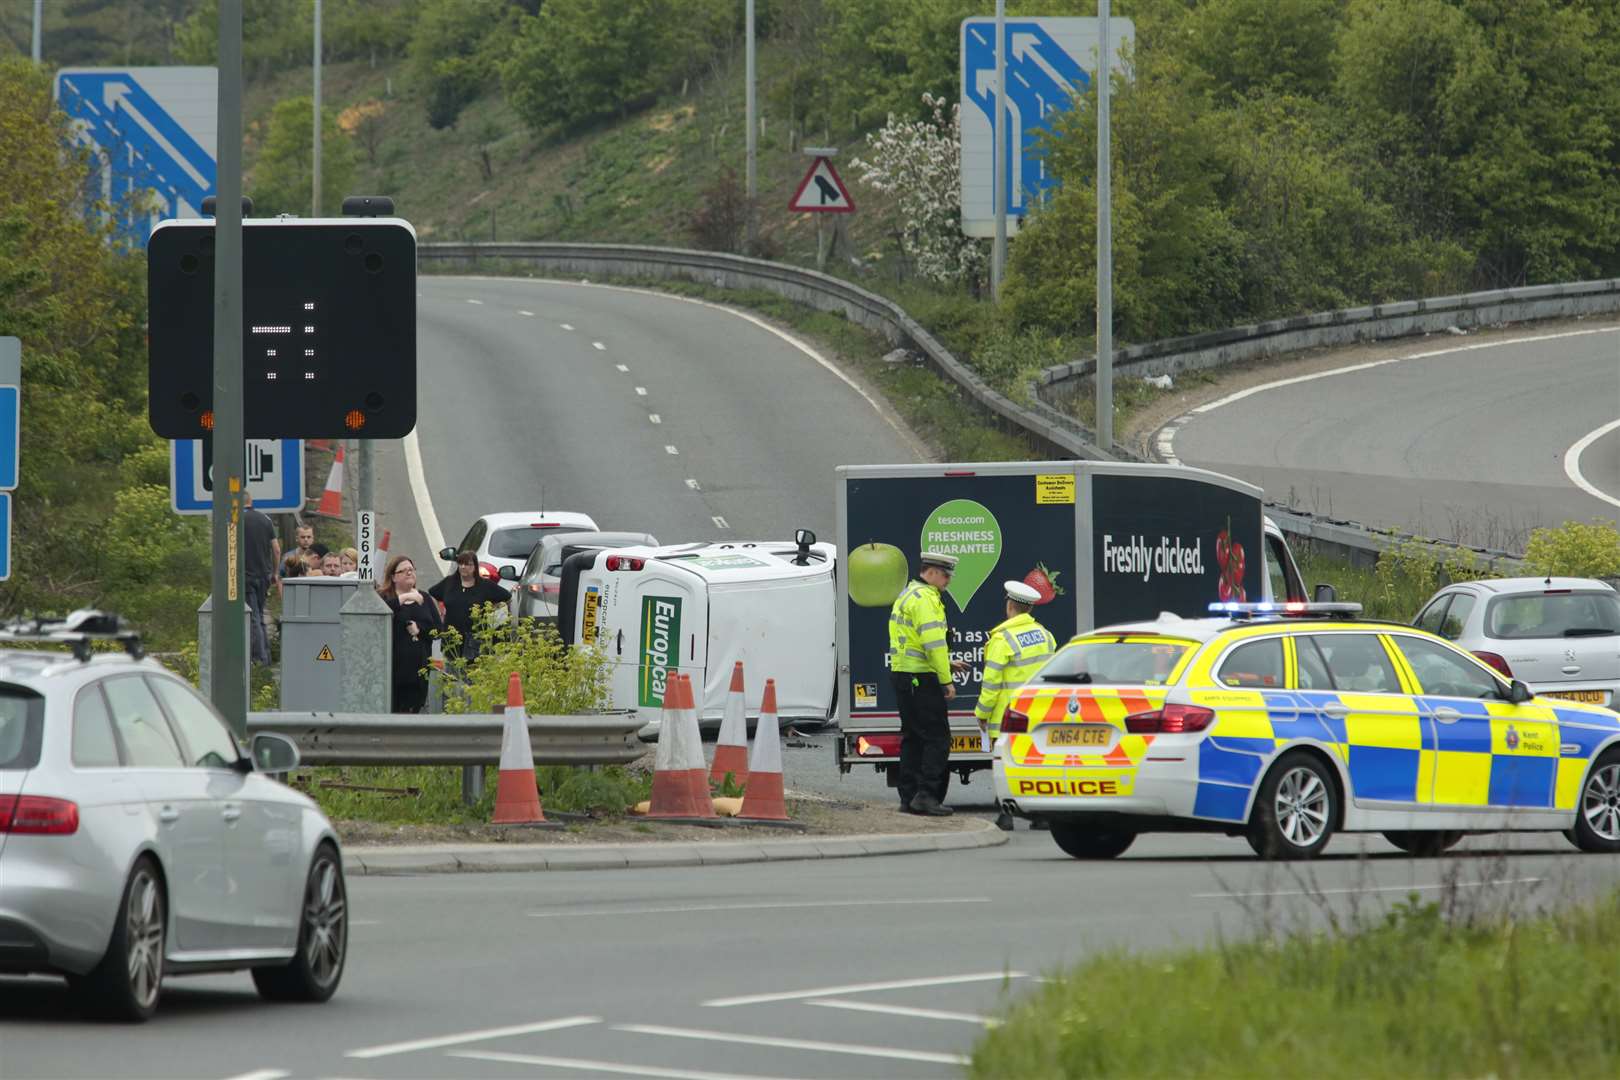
{"x": 1295, "y": 810}
{"x": 1424, "y": 843}
{"x": 1085, "y": 842}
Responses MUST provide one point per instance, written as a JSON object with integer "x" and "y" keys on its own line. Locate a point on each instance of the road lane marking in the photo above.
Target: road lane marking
{"x": 906, "y": 1010}
{"x": 654, "y": 418}
{"x": 1368, "y": 889}
{"x": 1572, "y": 463}
{"x": 671, "y": 450}
{"x": 641, "y": 391}
{"x": 472, "y": 1036}
{"x": 565, "y": 326}
{"x": 530, "y": 314}
{"x": 692, "y": 483}
{"x": 365, "y": 922}
{"x": 1168, "y": 450}
{"x": 470, "y": 300}
{"x": 582, "y": 1065}
{"x": 862, "y": 988}
{"x": 763, "y": 906}
{"x": 796, "y": 1044}
{"x": 261, "y": 1074}
{"x": 431, "y": 532}
{"x": 598, "y": 346}
{"x": 719, "y": 522}
{"x": 622, "y": 367}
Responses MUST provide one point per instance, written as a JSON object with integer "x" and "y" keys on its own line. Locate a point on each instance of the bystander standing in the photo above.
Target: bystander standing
{"x": 261, "y": 552}
{"x": 416, "y": 617}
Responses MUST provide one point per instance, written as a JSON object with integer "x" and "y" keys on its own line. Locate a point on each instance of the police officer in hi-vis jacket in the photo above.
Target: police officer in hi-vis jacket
{"x": 1016, "y": 650}
{"x": 920, "y": 672}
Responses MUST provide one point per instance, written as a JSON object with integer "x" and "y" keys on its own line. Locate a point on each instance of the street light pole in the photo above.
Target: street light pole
{"x": 1105, "y": 244}
{"x": 316, "y": 198}
{"x": 998, "y": 184}
{"x": 753, "y": 130}
{"x": 39, "y": 19}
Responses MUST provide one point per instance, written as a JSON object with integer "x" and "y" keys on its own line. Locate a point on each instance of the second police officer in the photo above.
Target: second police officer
{"x": 920, "y": 672}
{"x": 1017, "y": 649}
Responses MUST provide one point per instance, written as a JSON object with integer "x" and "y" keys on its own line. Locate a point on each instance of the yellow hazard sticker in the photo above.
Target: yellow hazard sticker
{"x": 325, "y": 653}
{"x": 1054, "y": 489}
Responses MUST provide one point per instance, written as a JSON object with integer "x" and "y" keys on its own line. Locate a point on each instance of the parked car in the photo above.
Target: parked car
{"x": 137, "y": 842}
{"x": 1561, "y": 636}
{"x": 1287, "y": 723}
{"x": 534, "y": 587}
{"x": 507, "y": 539}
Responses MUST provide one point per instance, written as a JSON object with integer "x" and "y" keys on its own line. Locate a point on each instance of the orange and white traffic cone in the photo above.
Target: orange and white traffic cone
{"x": 680, "y": 790}
{"x": 331, "y": 504}
{"x": 517, "y": 798}
{"x": 382, "y": 545}
{"x": 763, "y": 799}
{"x": 731, "y": 750}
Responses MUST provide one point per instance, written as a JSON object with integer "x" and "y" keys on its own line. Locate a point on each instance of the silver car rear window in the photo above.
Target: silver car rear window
{"x": 514, "y": 543}
{"x": 22, "y": 727}
{"x": 1553, "y": 615}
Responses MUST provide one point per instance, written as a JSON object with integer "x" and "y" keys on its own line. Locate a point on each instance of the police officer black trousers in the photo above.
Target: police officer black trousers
{"x": 925, "y": 735}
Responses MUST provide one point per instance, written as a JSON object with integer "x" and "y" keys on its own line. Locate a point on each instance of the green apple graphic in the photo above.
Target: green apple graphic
{"x": 877, "y": 573}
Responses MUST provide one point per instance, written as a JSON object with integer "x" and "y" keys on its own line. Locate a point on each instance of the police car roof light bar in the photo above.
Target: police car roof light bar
{"x": 80, "y": 630}
{"x": 1292, "y": 608}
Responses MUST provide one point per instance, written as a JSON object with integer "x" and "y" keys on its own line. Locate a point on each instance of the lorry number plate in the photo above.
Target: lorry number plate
{"x": 1088, "y": 735}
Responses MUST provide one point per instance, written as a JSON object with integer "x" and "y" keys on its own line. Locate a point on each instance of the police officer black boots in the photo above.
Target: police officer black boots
{"x": 924, "y": 803}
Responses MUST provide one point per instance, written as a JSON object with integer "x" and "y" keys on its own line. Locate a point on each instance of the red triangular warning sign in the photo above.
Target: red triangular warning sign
{"x": 821, "y": 191}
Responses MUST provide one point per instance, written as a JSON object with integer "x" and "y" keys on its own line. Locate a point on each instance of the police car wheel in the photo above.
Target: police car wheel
{"x": 1424, "y": 843}
{"x": 1597, "y": 813}
{"x": 1295, "y": 810}
{"x": 1085, "y": 842}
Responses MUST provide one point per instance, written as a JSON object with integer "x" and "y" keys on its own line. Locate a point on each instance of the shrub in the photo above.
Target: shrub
{"x": 557, "y": 680}
{"x": 1575, "y": 549}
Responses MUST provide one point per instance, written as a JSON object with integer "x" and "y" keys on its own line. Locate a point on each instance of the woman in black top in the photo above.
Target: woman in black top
{"x": 416, "y": 616}
{"x": 462, "y": 592}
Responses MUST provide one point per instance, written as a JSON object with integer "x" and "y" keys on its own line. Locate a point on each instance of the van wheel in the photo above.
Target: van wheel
{"x": 1295, "y": 809}
{"x": 1424, "y": 843}
{"x": 127, "y": 982}
{"x": 1084, "y": 842}
{"x": 323, "y": 938}
{"x": 1597, "y": 811}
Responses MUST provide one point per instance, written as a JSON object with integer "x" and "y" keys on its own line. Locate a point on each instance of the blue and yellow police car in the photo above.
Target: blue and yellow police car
{"x": 1288, "y": 722}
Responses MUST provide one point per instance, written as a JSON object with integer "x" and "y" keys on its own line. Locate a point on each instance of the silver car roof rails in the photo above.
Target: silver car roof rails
{"x": 80, "y": 630}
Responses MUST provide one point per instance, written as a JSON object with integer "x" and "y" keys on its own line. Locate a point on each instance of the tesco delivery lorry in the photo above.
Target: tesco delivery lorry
{"x": 699, "y": 608}
{"x": 1101, "y": 542}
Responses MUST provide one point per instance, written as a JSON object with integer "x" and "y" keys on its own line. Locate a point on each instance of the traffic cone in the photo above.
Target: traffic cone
{"x": 763, "y": 799}
{"x": 517, "y": 796}
{"x": 382, "y": 545}
{"x": 331, "y": 504}
{"x": 731, "y": 750}
{"x": 322, "y": 445}
{"x": 680, "y": 790}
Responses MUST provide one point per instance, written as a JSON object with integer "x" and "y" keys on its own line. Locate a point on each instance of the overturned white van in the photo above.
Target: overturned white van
{"x": 698, "y": 609}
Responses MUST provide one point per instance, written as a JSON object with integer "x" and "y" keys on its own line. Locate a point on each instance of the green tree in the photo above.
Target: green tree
{"x": 454, "y": 51}
{"x": 276, "y": 34}
{"x": 1575, "y": 549}
{"x": 281, "y": 181}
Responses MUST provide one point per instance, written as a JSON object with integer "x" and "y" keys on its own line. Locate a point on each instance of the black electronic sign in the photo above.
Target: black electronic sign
{"x": 328, "y": 328}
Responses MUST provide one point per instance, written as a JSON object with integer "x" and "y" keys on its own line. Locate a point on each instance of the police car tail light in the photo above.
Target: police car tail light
{"x": 1496, "y": 660}
{"x": 1014, "y": 722}
{"x": 625, "y": 562}
{"x": 1171, "y": 720}
{"x": 38, "y": 815}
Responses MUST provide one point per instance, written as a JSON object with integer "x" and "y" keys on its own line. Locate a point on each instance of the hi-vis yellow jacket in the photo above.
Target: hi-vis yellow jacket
{"x": 1017, "y": 649}
{"x": 917, "y": 632}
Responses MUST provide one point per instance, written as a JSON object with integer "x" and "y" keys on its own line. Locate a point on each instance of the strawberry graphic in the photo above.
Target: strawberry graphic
{"x": 1044, "y": 581}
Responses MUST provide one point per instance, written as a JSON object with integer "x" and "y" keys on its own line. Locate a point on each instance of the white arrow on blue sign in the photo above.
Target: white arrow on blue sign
{"x": 10, "y": 440}
{"x": 1048, "y": 61}
{"x": 275, "y": 475}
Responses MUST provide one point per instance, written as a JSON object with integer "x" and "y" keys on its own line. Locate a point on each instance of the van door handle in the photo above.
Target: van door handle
{"x": 691, "y": 650}
{"x": 1336, "y": 710}
{"x": 168, "y": 815}
{"x": 1447, "y": 715}
{"x": 231, "y": 812}
{"x": 620, "y": 645}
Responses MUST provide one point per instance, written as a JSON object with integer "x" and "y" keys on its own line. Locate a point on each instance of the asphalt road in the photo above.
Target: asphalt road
{"x": 1469, "y": 443}
{"x": 837, "y": 968}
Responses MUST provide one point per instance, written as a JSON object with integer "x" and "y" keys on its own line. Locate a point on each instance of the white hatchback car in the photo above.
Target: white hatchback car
{"x": 506, "y": 539}
{"x": 137, "y": 842}
{"x": 1560, "y": 636}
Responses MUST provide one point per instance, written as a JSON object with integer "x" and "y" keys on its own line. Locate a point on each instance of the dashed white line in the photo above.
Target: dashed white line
{"x": 677, "y": 909}
{"x": 862, "y": 988}
{"x": 671, "y": 450}
{"x": 889, "y": 1052}
{"x": 598, "y": 345}
{"x": 262, "y": 1074}
{"x": 622, "y": 367}
{"x": 1572, "y": 463}
{"x": 906, "y": 1010}
{"x": 582, "y": 1065}
{"x": 566, "y": 326}
{"x": 720, "y": 523}
{"x": 530, "y": 314}
{"x": 654, "y": 418}
{"x": 692, "y": 483}
{"x": 472, "y": 1036}
{"x": 641, "y": 391}
{"x": 1368, "y": 889}
{"x": 470, "y": 300}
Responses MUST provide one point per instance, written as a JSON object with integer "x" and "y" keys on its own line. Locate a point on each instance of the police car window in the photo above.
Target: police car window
{"x": 22, "y": 728}
{"x": 93, "y": 744}
{"x": 1313, "y": 672}
{"x": 1258, "y": 664}
{"x": 1441, "y": 671}
{"x": 1114, "y": 662}
{"x": 210, "y": 745}
{"x": 1433, "y": 616}
{"x": 1462, "y": 606}
{"x": 1358, "y": 662}
{"x": 141, "y": 724}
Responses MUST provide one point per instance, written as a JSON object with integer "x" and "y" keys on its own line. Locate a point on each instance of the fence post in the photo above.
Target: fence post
{"x": 368, "y": 652}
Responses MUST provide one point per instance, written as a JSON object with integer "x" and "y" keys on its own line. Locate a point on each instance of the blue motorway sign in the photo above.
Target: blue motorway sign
{"x": 10, "y": 435}
{"x": 1048, "y": 62}
{"x": 5, "y": 535}
{"x": 275, "y": 475}
{"x": 153, "y": 131}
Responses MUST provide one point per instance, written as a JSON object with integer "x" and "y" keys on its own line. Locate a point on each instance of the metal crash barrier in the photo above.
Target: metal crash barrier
{"x": 386, "y": 739}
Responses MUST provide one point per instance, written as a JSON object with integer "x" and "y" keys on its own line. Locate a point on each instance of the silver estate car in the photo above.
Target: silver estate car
{"x": 137, "y": 842}
{"x": 1560, "y": 636}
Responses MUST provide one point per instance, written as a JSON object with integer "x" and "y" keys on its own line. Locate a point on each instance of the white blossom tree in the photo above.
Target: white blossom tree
{"x": 919, "y": 162}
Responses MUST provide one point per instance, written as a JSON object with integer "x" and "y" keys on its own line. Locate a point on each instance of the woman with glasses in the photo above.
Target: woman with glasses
{"x": 416, "y": 617}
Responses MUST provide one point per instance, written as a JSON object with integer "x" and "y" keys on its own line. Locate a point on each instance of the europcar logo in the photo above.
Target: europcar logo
{"x": 660, "y": 645}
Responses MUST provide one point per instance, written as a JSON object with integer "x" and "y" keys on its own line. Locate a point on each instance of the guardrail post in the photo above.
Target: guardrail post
{"x": 368, "y": 652}
{"x": 472, "y": 784}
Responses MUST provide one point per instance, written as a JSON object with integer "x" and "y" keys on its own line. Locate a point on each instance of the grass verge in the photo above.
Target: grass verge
{"x": 1413, "y": 993}
{"x": 431, "y": 795}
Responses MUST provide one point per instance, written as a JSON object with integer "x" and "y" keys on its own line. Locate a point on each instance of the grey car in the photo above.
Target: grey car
{"x": 137, "y": 842}
{"x": 534, "y": 594}
{"x": 1560, "y": 636}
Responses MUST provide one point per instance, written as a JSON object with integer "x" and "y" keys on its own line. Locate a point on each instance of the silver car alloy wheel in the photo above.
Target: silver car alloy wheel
{"x": 1302, "y": 807}
{"x": 143, "y": 922}
{"x": 1601, "y": 803}
{"x": 325, "y": 921}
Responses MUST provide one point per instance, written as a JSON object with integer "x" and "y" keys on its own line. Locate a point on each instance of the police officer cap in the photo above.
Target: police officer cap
{"x": 934, "y": 558}
{"x": 1017, "y": 590}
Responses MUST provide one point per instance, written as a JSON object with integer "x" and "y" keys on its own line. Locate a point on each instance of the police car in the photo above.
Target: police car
{"x": 1285, "y": 723}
